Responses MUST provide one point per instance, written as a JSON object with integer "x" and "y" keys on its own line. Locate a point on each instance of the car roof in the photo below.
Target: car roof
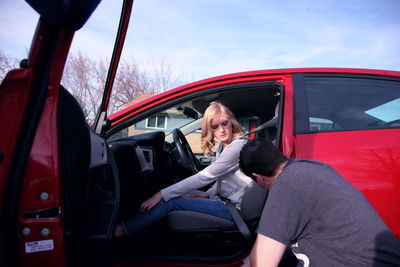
{"x": 188, "y": 88}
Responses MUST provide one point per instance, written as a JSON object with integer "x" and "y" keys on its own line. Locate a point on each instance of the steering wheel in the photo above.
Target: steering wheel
{"x": 187, "y": 158}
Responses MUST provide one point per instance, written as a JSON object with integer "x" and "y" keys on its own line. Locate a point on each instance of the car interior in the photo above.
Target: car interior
{"x": 134, "y": 161}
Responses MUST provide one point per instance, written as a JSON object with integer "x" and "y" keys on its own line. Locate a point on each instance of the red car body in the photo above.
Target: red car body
{"x": 359, "y": 155}
{"x": 32, "y": 192}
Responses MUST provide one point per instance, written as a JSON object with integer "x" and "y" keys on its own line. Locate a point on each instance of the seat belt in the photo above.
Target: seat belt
{"x": 272, "y": 122}
{"x": 240, "y": 223}
{"x": 237, "y": 218}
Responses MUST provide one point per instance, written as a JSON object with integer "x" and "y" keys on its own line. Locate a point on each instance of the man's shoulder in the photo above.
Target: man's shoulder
{"x": 296, "y": 165}
{"x": 304, "y": 172}
{"x": 292, "y": 161}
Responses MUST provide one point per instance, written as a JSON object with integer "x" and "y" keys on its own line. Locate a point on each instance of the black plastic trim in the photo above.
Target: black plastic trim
{"x": 301, "y": 122}
{"x": 66, "y": 14}
{"x": 112, "y": 71}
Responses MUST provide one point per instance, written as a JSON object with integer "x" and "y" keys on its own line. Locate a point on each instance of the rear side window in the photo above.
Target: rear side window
{"x": 327, "y": 103}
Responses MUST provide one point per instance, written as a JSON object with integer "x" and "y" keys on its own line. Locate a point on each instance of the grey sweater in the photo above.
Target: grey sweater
{"x": 225, "y": 169}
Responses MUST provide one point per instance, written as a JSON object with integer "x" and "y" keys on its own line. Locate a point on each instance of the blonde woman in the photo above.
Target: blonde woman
{"x": 218, "y": 123}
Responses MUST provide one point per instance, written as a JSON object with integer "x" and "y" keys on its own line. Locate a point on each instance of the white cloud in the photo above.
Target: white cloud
{"x": 207, "y": 38}
{"x": 18, "y": 22}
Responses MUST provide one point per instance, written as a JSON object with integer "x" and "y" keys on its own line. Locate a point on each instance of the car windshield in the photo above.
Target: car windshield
{"x": 166, "y": 120}
{"x": 179, "y": 116}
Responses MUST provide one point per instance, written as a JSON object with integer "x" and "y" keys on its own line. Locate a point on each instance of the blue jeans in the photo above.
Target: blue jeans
{"x": 204, "y": 205}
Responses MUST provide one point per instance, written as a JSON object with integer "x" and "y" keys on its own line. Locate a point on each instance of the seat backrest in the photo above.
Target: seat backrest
{"x": 253, "y": 201}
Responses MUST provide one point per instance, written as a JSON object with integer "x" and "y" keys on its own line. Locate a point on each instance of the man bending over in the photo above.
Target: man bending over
{"x": 324, "y": 219}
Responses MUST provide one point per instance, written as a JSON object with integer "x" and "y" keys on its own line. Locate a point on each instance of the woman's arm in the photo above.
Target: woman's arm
{"x": 227, "y": 162}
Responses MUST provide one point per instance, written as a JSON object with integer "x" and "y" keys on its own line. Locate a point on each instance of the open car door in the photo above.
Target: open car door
{"x": 59, "y": 187}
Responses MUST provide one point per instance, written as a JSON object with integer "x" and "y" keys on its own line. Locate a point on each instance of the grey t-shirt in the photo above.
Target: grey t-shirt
{"x": 325, "y": 220}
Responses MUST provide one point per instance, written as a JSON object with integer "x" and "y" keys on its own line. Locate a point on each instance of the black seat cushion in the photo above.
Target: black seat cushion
{"x": 251, "y": 207}
{"x": 190, "y": 220}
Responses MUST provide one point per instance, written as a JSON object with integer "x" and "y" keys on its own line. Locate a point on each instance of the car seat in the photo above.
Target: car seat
{"x": 251, "y": 207}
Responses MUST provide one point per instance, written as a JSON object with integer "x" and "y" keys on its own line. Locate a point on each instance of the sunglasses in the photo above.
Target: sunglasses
{"x": 223, "y": 124}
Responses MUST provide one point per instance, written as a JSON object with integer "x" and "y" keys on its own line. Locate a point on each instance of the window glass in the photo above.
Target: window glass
{"x": 337, "y": 104}
{"x": 157, "y": 122}
{"x": 151, "y": 122}
{"x": 386, "y": 112}
{"x": 161, "y": 122}
{"x": 318, "y": 124}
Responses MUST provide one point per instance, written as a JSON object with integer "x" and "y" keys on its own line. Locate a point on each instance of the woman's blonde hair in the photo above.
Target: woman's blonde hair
{"x": 207, "y": 139}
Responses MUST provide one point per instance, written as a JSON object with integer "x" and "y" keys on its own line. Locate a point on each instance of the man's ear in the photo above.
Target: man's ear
{"x": 259, "y": 177}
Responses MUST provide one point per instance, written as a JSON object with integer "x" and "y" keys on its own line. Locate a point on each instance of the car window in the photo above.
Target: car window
{"x": 347, "y": 103}
{"x": 172, "y": 118}
{"x": 252, "y": 104}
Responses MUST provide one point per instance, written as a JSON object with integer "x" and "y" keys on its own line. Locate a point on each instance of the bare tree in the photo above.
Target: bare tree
{"x": 163, "y": 77}
{"x": 129, "y": 84}
{"x": 86, "y": 78}
{"x": 81, "y": 79}
{"x": 7, "y": 63}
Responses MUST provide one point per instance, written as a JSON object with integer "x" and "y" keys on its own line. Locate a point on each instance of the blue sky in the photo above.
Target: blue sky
{"x": 205, "y": 38}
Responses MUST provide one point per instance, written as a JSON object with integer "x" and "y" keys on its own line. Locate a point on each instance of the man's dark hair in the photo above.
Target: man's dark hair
{"x": 260, "y": 156}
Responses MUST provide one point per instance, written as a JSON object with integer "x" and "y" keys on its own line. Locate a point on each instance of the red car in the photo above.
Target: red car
{"x": 64, "y": 185}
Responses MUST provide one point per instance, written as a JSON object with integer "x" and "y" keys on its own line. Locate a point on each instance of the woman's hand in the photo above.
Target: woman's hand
{"x": 151, "y": 202}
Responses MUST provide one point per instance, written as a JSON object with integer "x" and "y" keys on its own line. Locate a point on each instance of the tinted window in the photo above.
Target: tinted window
{"x": 338, "y": 104}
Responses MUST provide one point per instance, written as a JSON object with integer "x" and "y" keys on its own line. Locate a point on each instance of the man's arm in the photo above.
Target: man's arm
{"x": 266, "y": 252}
